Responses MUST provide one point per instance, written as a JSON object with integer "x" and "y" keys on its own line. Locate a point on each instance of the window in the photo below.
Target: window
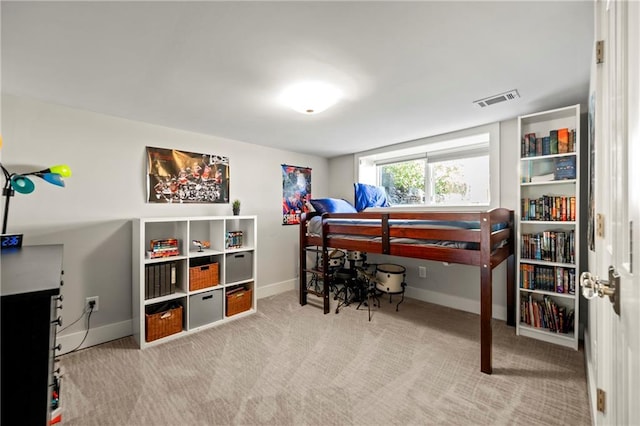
{"x": 404, "y": 181}
{"x": 450, "y": 170}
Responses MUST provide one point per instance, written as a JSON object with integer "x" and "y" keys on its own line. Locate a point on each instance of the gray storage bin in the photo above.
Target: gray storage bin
{"x": 205, "y": 308}
{"x": 239, "y": 266}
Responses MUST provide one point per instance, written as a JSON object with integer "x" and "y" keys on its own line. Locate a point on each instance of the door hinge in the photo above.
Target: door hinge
{"x": 599, "y": 51}
{"x": 600, "y": 225}
{"x": 601, "y": 400}
{"x": 631, "y": 247}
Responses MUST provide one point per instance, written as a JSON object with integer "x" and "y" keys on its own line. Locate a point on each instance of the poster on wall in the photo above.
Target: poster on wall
{"x": 296, "y": 192}
{"x": 185, "y": 177}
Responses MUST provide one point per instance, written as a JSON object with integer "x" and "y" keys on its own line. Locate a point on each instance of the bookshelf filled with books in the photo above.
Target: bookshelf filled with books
{"x": 548, "y": 226}
{"x": 190, "y": 274}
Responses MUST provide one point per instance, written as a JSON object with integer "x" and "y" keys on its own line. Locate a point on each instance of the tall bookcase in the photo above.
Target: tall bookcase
{"x": 548, "y": 240}
{"x": 228, "y": 258}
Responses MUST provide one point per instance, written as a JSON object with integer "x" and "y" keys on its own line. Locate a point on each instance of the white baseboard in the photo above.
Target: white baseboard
{"x": 277, "y": 288}
{"x": 455, "y": 302}
{"x": 591, "y": 380}
{"x": 473, "y": 306}
{"x": 96, "y": 336}
{"x": 122, "y": 329}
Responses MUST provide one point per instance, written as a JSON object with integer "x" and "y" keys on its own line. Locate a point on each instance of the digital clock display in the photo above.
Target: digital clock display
{"x": 10, "y": 241}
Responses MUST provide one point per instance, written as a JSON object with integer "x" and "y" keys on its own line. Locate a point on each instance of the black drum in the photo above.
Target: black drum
{"x": 344, "y": 274}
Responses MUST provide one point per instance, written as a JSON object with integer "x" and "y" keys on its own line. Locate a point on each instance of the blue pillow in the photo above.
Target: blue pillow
{"x": 369, "y": 196}
{"x": 332, "y": 205}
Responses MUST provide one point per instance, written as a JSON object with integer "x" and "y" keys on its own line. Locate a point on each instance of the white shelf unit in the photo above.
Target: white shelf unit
{"x": 541, "y": 264}
{"x": 214, "y": 229}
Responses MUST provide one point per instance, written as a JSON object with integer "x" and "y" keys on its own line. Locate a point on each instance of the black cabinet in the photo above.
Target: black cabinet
{"x": 31, "y": 279}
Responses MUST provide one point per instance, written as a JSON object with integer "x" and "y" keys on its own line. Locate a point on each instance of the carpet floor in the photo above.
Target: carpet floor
{"x": 291, "y": 365}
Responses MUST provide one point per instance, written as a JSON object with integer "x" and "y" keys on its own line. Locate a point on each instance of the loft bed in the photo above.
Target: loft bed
{"x": 483, "y": 239}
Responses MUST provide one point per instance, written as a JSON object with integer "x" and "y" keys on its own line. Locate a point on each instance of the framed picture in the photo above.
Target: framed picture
{"x": 186, "y": 177}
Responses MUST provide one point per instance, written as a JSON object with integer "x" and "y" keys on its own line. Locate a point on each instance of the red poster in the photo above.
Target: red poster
{"x": 296, "y": 193}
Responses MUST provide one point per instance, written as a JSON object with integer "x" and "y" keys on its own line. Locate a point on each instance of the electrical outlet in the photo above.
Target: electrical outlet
{"x": 422, "y": 271}
{"x": 95, "y": 299}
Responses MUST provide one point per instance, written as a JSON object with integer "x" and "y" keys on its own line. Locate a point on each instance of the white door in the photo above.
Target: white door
{"x": 614, "y": 340}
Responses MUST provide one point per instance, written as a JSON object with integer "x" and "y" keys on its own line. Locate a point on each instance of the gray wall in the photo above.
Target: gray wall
{"x": 92, "y": 215}
{"x": 456, "y": 286}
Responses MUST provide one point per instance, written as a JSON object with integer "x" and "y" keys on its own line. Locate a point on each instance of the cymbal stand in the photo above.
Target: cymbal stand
{"x": 347, "y": 289}
{"x": 350, "y": 283}
{"x": 372, "y": 295}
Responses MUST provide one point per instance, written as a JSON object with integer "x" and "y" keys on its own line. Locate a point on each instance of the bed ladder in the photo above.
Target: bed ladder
{"x": 318, "y": 284}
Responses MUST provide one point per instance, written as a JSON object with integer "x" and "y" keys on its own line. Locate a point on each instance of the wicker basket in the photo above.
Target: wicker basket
{"x": 163, "y": 324}
{"x": 203, "y": 276}
{"x": 239, "y": 301}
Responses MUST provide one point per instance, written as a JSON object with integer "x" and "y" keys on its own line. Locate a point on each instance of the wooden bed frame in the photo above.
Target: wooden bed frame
{"x": 333, "y": 237}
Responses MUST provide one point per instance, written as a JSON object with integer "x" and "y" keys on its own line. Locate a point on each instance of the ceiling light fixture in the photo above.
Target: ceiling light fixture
{"x": 310, "y": 97}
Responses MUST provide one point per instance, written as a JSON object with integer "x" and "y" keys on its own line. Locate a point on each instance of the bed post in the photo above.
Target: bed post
{"x": 303, "y": 259}
{"x": 511, "y": 291}
{"x": 386, "y": 244}
{"x": 511, "y": 275}
{"x": 485, "y": 293}
{"x": 325, "y": 265}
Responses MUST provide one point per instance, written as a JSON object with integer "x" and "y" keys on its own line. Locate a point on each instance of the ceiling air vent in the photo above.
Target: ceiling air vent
{"x": 506, "y": 96}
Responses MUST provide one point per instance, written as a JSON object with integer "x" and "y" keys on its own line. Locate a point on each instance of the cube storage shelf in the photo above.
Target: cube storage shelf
{"x": 205, "y": 306}
{"x": 548, "y": 227}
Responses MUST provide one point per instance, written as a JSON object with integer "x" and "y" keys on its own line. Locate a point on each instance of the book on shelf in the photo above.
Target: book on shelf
{"x": 156, "y": 254}
{"x": 543, "y": 178}
{"x": 538, "y": 147}
{"x": 553, "y": 141}
{"x": 528, "y": 145}
{"x": 565, "y": 167}
{"x": 543, "y": 312}
{"x": 556, "y": 279}
{"x": 524, "y": 146}
{"x": 559, "y": 141}
{"x": 549, "y": 208}
{"x": 551, "y": 246}
{"x": 163, "y": 248}
{"x": 532, "y": 144}
{"x": 563, "y": 141}
{"x": 546, "y": 145}
{"x": 234, "y": 239}
{"x": 160, "y": 279}
{"x": 163, "y": 243}
{"x": 572, "y": 140}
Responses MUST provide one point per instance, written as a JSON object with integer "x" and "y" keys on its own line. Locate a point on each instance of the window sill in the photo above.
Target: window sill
{"x": 427, "y": 208}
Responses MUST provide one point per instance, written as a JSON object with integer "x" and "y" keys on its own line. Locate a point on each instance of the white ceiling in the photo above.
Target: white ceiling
{"x": 407, "y": 69}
